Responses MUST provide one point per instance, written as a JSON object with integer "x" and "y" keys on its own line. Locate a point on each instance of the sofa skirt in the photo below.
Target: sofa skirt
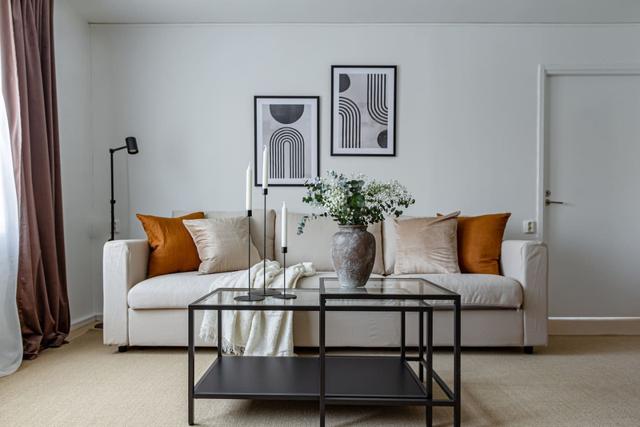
{"x": 480, "y": 328}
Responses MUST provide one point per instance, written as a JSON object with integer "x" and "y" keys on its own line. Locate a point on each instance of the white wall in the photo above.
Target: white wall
{"x": 466, "y": 129}
{"x": 72, "y": 40}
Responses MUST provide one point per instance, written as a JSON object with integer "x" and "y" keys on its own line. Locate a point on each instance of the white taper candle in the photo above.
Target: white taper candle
{"x": 265, "y": 167}
{"x": 283, "y": 224}
{"x": 249, "y": 188}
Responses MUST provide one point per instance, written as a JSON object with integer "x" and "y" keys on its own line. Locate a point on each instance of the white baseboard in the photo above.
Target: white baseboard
{"x": 594, "y": 326}
{"x": 81, "y": 322}
{"x": 557, "y": 325}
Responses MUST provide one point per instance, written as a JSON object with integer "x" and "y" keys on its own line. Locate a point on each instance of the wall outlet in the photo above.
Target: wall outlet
{"x": 529, "y": 226}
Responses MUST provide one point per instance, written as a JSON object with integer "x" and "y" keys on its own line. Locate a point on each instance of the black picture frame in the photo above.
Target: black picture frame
{"x": 258, "y": 162}
{"x": 334, "y": 104}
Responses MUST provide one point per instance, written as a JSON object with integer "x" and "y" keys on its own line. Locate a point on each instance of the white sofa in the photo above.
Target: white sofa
{"x": 508, "y": 310}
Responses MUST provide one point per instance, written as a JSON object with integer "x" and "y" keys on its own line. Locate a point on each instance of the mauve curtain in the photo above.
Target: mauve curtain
{"x": 43, "y": 304}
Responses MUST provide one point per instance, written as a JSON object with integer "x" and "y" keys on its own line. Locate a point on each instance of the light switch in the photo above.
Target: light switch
{"x": 529, "y": 226}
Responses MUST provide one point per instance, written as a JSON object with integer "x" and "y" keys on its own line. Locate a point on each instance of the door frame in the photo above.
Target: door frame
{"x": 544, "y": 72}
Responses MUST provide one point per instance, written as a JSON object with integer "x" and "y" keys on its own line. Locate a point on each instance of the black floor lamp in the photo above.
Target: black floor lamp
{"x": 132, "y": 148}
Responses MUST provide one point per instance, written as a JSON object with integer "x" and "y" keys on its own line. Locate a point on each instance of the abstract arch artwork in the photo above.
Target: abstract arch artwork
{"x": 289, "y": 126}
{"x": 286, "y": 144}
{"x": 377, "y": 98}
{"x": 351, "y": 123}
{"x": 363, "y": 110}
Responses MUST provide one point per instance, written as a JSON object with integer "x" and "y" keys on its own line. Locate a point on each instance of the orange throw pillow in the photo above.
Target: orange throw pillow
{"x": 480, "y": 242}
{"x": 172, "y": 248}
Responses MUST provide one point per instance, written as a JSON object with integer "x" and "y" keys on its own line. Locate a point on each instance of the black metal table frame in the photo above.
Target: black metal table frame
{"x": 453, "y": 397}
{"x": 424, "y": 359}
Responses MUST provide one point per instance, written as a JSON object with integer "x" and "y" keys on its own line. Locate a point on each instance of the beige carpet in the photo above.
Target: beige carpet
{"x": 576, "y": 381}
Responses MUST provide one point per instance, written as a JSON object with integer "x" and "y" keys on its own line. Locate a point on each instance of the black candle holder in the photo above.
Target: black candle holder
{"x": 284, "y": 294}
{"x": 250, "y": 296}
{"x": 265, "y": 292}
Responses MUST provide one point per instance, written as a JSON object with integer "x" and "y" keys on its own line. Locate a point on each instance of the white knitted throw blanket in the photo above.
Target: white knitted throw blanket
{"x": 259, "y": 332}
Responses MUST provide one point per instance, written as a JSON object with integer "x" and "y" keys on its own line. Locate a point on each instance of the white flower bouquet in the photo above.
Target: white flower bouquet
{"x": 355, "y": 200}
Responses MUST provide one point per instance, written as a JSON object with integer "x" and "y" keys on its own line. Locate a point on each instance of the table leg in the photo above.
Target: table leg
{"x": 456, "y": 365}
{"x": 429, "y": 384}
{"x": 402, "y": 335}
{"x": 322, "y": 360}
{"x": 219, "y": 333}
{"x": 191, "y": 369}
{"x": 421, "y": 344}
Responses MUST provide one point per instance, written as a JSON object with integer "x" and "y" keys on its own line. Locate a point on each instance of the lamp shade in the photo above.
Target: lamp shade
{"x": 132, "y": 145}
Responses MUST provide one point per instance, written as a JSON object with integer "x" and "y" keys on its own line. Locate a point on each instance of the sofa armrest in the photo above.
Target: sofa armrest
{"x": 124, "y": 263}
{"x": 526, "y": 261}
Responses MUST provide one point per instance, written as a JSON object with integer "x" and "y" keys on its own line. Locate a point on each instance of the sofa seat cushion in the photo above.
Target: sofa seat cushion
{"x": 313, "y": 282}
{"x": 479, "y": 290}
{"x": 178, "y": 290}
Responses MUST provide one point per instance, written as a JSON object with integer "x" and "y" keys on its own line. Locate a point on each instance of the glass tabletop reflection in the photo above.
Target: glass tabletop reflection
{"x": 378, "y": 292}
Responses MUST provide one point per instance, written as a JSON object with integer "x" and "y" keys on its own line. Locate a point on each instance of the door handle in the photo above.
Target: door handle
{"x": 548, "y": 202}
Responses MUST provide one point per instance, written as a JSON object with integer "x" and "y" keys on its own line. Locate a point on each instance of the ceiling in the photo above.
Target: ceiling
{"x": 359, "y": 11}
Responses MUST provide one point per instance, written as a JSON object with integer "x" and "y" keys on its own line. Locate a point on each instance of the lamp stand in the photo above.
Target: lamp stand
{"x": 132, "y": 148}
{"x": 112, "y": 201}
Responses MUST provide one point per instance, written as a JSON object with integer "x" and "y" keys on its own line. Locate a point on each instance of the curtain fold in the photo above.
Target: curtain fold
{"x": 43, "y": 303}
{"x": 10, "y": 340}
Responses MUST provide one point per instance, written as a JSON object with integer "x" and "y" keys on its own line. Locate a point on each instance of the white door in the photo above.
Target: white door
{"x": 593, "y": 146}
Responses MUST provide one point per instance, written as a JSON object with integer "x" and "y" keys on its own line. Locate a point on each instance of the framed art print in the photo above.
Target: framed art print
{"x": 290, "y": 127}
{"x": 363, "y": 110}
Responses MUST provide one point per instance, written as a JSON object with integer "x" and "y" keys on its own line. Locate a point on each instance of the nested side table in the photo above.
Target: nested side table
{"x": 352, "y": 380}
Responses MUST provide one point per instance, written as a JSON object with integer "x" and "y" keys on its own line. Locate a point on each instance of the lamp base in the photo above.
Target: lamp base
{"x": 285, "y": 296}
{"x": 249, "y": 297}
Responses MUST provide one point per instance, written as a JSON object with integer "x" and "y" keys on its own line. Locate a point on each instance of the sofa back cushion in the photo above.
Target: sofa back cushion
{"x": 315, "y": 243}
{"x": 257, "y": 226}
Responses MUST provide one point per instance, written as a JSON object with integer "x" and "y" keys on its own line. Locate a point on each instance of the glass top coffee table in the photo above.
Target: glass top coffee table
{"x": 328, "y": 379}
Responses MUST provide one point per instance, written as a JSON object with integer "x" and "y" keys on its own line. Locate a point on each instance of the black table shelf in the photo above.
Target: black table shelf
{"x": 297, "y": 378}
{"x": 239, "y": 377}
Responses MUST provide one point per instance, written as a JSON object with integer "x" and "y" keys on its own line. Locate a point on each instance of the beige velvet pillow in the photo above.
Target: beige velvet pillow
{"x": 222, "y": 244}
{"x": 427, "y": 245}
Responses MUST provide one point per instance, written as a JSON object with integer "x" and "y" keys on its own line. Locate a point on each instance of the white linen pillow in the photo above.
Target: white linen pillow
{"x": 222, "y": 243}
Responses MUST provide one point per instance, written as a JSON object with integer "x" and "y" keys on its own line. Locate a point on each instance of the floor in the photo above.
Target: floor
{"x": 576, "y": 381}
